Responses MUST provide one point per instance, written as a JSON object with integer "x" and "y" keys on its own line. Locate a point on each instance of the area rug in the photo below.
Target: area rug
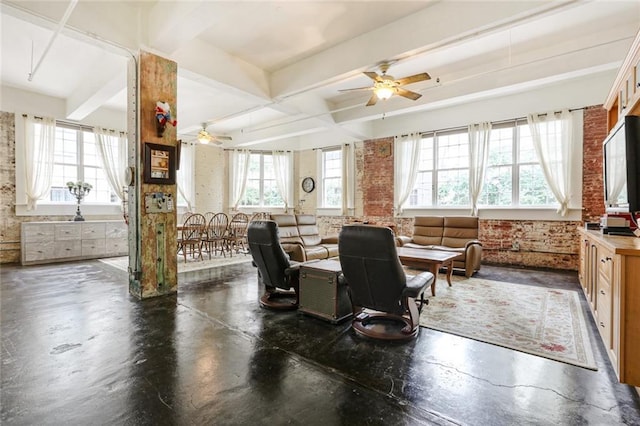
{"x": 545, "y": 322}
{"x": 122, "y": 263}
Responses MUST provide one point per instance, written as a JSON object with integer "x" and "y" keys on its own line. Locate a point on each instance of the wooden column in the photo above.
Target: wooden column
{"x": 152, "y": 233}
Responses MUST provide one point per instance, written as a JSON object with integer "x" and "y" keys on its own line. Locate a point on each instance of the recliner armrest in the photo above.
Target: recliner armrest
{"x": 331, "y": 239}
{"x": 402, "y": 240}
{"x": 294, "y": 268}
{"x": 418, "y": 284}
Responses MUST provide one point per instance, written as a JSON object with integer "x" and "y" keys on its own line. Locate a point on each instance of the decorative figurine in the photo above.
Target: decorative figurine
{"x": 79, "y": 190}
{"x": 163, "y": 116}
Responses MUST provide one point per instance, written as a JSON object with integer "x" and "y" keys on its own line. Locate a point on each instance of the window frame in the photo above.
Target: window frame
{"x": 46, "y": 207}
{"x": 524, "y": 212}
{"x": 261, "y": 180}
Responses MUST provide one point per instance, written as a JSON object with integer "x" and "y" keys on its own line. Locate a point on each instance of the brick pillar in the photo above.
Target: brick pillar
{"x": 594, "y": 133}
{"x": 377, "y": 182}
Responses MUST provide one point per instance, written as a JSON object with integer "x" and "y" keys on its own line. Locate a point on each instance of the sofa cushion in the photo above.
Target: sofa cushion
{"x": 287, "y": 228}
{"x": 427, "y": 230}
{"x": 459, "y": 230}
{"x": 316, "y": 252}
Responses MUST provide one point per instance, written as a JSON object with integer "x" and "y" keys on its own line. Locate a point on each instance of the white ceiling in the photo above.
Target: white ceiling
{"x": 272, "y": 71}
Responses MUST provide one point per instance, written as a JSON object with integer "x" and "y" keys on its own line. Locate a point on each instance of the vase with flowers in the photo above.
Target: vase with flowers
{"x": 79, "y": 189}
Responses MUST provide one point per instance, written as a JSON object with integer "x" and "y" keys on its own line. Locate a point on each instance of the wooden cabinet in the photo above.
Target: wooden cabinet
{"x": 610, "y": 277}
{"x": 46, "y": 242}
{"x": 624, "y": 97}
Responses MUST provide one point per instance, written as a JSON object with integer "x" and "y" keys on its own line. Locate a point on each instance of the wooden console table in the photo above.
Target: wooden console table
{"x": 610, "y": 277}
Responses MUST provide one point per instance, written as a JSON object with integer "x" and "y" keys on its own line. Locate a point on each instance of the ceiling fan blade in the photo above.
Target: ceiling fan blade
{"x": 413, "y": 79}
{"x": 372, "y": 75}
{"x": 372, "y": 100}
{"x": 222, "y": 138}
{"x": 355, "y": 89}
{"x": 407, "y": 93}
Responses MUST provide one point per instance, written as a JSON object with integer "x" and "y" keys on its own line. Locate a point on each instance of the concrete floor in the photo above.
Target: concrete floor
{"x": 78, "y": 350}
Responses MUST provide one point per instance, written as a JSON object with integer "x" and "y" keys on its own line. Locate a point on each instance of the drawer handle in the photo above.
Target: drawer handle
{"x": 602, "y": 292}
{"x": 601, "y": 324}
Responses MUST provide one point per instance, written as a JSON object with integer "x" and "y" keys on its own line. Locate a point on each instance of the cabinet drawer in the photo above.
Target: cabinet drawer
{"x": 116, "y": 246}
{"x": 67, "y": 249}
{"x": 603, "y": 311}
{"x": 32, "y": 233}
{"x": 93, "y": 230}
{"x": 116, "y": 230}
{"x": 605, "y": 265}
{"x": 93, "y": 247}
{"x": 67, "y": 232}
{"x": 38, "y": 251}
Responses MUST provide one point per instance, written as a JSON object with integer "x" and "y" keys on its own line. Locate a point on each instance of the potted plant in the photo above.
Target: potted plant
{"x": 79, "y": 189}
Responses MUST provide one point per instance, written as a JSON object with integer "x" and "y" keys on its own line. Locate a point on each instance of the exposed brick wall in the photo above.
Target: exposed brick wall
{"x": 595, "y": 131}
{"x": 533, "y": 243}
{"x": 377, "y": 182}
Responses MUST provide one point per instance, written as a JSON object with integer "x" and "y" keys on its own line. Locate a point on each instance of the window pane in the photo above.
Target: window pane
{"x": 498, "y": 187}
{"x": 422, "y": 194}
{"x": 332, "y": 178}
{"x": 271, "y": 194}
{"x": 501, "y": 146}
{"x": 453, "y": 187}
{"x": 527, "y": 154}
{"x": 251, "y": 193}
{"x": 426, "y": 154}
{"x": 332, "y": 192}
{"x": 534, "y": 190}
{"x": 453, "y": 151}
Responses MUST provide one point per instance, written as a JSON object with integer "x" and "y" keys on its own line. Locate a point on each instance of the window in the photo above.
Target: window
{"x": 513, "y": 176}
{"x": 261, "y": 189}
{"x": 76, "y": 159}
{"x": 332, "y": 178}
{"x": 443, "y": 171}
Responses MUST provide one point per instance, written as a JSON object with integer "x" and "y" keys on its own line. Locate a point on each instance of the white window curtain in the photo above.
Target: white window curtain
{"x": 282, "y": 168}
{"x": 185, "y": 173}
{"x": 40, "y": 138}
{"x": 239, "y": 166}
{"x": 479, "y": 136}
{"x": 348, "y": 178}
{"x": 616, "y": 170}
{"x": 112, "y": 151}
{"x": 406, "y": 152}
{"x": 552, "y": 136}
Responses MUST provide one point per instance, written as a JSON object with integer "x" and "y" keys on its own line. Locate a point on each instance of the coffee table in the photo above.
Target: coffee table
{"x": 430, "y": 260}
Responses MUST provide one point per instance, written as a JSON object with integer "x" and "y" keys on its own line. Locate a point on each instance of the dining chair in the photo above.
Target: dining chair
{"x": 215, "y": 233}
{"x": 191, "y": 237}
{"x": 237, "y": 233}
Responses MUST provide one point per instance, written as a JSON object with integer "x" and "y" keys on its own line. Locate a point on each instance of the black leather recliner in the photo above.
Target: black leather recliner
{"x": 278, "y": 274}
{"x": 386, "y": 304}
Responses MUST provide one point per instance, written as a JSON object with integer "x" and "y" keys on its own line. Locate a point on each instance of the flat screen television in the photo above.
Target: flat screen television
{"x": 622, "y": 167}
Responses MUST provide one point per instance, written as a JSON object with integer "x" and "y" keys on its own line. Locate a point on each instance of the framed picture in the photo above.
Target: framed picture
{"x": 159, "y": 164}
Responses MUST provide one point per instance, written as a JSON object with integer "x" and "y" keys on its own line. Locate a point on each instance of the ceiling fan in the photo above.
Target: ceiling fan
{"x": 385, "y": 85}
{"x": 204, "y": 137}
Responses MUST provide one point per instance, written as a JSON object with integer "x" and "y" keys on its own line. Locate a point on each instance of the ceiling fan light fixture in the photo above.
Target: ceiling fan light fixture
{"x": 383, "y": 91}
{"x": 204, "y": 137}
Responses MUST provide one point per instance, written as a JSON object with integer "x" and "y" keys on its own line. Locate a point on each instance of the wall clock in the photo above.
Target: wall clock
{"x": 308, "y": 184}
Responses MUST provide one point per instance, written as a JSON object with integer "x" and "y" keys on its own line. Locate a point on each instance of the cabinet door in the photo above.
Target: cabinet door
{"x": 116, "y": 247}
{"x": 116, "y": 230}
